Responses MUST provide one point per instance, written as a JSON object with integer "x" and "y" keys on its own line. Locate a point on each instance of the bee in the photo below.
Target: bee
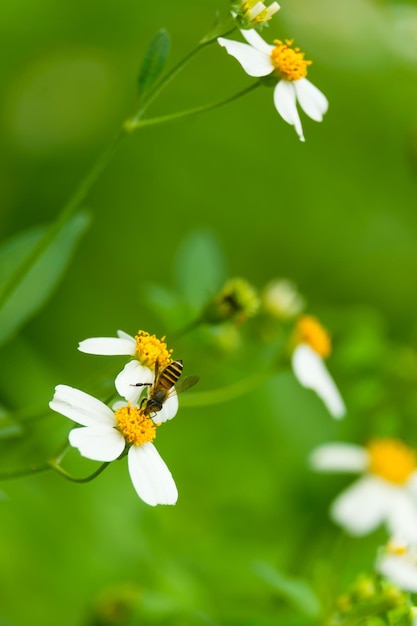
{"x": 163, "y": 386}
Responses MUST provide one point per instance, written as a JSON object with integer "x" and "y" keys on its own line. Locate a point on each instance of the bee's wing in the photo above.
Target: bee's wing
{"x": 186, "y": 383}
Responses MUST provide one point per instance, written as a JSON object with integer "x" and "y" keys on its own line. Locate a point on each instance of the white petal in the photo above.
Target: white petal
{"x": 362, "y": 507}
{"x": 98, "y": 443}
{"x": 108, "y": 346}
{"x": 339, "y": 457}
{"x": 399, "y": 571}
{"x": 150, "y": 476}
{"x": 81, "y": 407}
{"x": 313, "y": 102}
{"x": 256, "y": 41}
{"x": 254, "y": 62}
{"x": 133, "y": 373}
{"x": 312, "y": 373}
{"x": 122, "y": 335}
{"x": 285, "y": 104}
{"x": 168, "y": 411}
{"x": 402, "y": 516}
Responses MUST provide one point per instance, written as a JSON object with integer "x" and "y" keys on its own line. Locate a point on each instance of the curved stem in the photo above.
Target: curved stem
{"x": 133, "y": 124}
{"x": 224, "y": 394}
{"x": 65, "y": 474}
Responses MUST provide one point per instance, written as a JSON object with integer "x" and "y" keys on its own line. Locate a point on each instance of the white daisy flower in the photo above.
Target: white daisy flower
{"x": 288, "y": 65}
{"x": 398, "y": 562}
{"x": 145, "y": 349}
{"x": 314, "y": 345}
{"x": 385, "y": 493}
{"x": 105, "y": 434}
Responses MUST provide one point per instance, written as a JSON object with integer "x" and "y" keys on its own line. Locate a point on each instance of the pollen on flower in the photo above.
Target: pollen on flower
{"x": 136, "y": 427}
{"x": 289, "y": 62}
{"x": 311, "y": 332}
{"x": 392, "y": 460}
{"x": 149, "y": 349}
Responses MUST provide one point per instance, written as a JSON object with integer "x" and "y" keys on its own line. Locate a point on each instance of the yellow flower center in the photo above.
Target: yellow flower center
{"x": 289, "y": 62}
{"x": 396, "y": 549}
{"x": 136, "y": 427}
{"x": 392, "y": 460}
{"x": 149, "y": 349}
{"x": 311, "y": 332}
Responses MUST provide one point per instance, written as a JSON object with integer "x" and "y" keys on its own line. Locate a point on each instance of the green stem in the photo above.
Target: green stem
{"x": 230, "y": 392}
{"x": 165, "y": 80}
{"x": 65, "y": 474}
{"x": 133, "y": 124}
{"x": 67, "y": 212}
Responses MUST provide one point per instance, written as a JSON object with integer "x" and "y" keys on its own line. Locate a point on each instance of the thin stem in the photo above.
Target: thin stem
{"x": 225, "y": 394}
{"x": 66, "y": 213}
{"x": 167, "y": 78}
{"x": 65, "y": 474}
{"x": 153, "y": 121}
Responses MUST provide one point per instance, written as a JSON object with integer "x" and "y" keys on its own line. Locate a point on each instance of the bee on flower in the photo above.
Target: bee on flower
{"x": 288, "y": 67}
{"x": 312, "y": 346}
{"x": 385, "y": 493}
{"x": 106, "y": 435}
{"x": 146, "y": 351}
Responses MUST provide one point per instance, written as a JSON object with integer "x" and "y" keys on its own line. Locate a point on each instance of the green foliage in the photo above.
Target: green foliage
{"x": 32, "y": 293}
{"x": 154, "y": 62}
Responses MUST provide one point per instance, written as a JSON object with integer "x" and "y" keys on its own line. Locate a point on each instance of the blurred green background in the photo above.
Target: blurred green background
{"x": 336, "y": 214}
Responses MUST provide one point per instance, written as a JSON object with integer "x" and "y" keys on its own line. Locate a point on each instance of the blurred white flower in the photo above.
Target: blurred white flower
{"x": 105, "y": 434}
{"x": 288, "y": 65}
{"x": 281, "y": 299}
{"x": 398, "y": 562}
{"x": 312, "y": 346}
{"x": 385, "y": 493}
{"x": 145, "y": 349}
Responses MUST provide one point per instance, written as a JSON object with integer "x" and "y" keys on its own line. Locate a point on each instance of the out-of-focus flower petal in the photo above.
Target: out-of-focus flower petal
{"x": 399, "y": 571}
{"x": 362, "y": 507}
{"x": 339, "y": 457}
{"x": 311, "y": 372}
{"x": 402, "y": 516}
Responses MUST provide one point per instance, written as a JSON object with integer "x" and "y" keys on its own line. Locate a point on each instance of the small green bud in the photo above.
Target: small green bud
{"x": 237, "y": 301}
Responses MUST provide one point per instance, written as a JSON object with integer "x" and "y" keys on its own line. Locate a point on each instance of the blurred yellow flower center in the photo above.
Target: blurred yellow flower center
{"x": 149, "y": 349}
{"x": 136, "y": 427}
{"x": 311, "y": 332}
{"x": 396, "y": 549}
{"x": 289, "y": 62}
{"x": 392, "y": 460}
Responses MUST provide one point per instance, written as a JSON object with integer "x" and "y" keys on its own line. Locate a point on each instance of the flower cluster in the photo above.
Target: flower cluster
{"x": 129, "y": 427}
{"x": 280, "y": 64}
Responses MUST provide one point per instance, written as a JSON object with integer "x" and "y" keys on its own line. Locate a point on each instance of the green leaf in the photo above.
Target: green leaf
{"x": 199, "y": 268}
{"x": 37, "y": 286}
{"x": 297, "y": 592}
{"x": 154, "y": 61}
